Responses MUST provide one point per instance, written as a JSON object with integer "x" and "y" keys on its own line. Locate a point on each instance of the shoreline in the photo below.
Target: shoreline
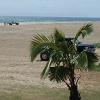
{"x": 59, "y": 22}
{"x": 65, "y": 22}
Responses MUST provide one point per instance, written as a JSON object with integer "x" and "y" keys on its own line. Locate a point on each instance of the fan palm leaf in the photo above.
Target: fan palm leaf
{"x": 84, "y": 30}
{"x": 38, "y": 44}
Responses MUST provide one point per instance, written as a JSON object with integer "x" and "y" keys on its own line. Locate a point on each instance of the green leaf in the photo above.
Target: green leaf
{"x": 82, "y": 60}
{"x": 45, "y": 71}
{"x": 59, "y": 36}
{"x": 85, "y": 30}
{"x": 92, "y": 59}
{"x": 38, "y": 44}
{"x": 58, "y": 74}
{"x": 36, "y": 49}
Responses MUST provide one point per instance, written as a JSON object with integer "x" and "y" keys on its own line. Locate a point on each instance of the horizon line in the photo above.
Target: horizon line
{"x": 47, "y": 16}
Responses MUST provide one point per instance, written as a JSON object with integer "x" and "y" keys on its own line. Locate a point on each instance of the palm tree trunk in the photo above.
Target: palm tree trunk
{"x": 74, "y": 93}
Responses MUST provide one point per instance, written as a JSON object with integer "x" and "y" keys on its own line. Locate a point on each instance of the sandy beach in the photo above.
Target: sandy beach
{"x": 16, "y": 70}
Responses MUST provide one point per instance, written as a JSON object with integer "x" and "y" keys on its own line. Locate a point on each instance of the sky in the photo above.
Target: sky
{"x": 50, "y": 8}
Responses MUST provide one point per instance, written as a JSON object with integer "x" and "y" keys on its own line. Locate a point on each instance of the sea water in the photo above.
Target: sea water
{"x": 6, "y": 19}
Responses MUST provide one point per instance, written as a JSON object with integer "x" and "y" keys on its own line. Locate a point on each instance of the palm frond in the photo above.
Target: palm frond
{"x": 55, "y": 58}
{"x": 85, "y": 30}
{"x": 92, "y": 59}
{"x": 59, "y": 36}
{"x": 36, "y": 49}
{"x": 85, "y": 60}
{"x": 58, "y": 74}
{"x": 81, "y": 61}
{"x": 45, "y": 71}
{"x": 38, "y": 44}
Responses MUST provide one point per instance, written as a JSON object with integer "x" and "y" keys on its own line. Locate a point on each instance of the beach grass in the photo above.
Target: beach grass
{"x": 45, "y": 93}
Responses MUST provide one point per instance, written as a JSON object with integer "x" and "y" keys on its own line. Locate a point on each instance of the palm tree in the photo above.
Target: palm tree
{"x": 64, "y": 58}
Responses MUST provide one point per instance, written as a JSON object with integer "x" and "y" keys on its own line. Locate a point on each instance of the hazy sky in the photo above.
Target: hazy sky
{"x": 61, "y": 8}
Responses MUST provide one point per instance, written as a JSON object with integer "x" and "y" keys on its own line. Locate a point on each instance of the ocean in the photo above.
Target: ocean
{"x": 44, "y": 19}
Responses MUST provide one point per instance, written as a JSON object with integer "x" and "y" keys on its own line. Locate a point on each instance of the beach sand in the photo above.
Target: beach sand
{"x": 15, "y": 67}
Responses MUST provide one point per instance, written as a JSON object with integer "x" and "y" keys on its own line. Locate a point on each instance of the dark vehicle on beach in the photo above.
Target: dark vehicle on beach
{"x": 11, "y": 23}
{"x": 44, "y": 56}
